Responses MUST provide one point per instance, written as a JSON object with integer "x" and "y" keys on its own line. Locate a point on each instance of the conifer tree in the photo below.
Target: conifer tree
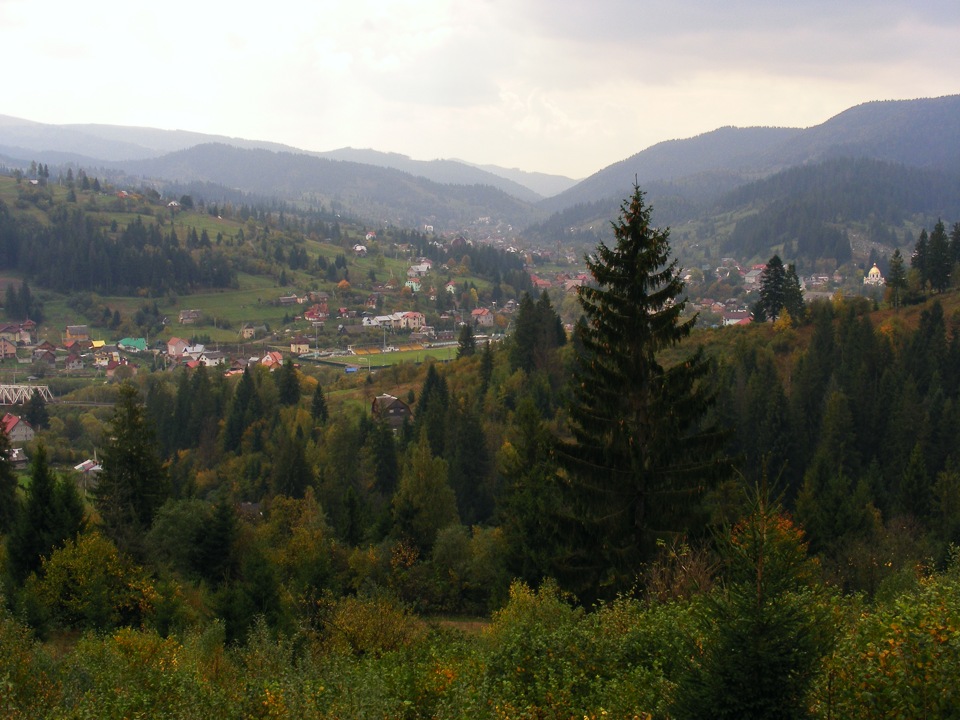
{"x": 288, "y": 384}
{"x": 52, "y": 514}
{"x": 939, "y": 263}
{"x": 9, "y": 503}
{"x": 466, "y": 342}
{"x": 318, "y": 406}
{"x": 897, "y": 278}
{"x": 638, "y": 459}
{"x": 133, "y": 483}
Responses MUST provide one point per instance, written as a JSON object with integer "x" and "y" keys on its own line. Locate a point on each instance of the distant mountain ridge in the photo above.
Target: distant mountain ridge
{"x": 730, "y": 170}
{"x": 94, "y": 144}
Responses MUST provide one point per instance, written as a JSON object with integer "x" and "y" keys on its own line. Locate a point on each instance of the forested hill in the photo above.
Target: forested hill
{"x": 919, "y": 133}
{"x": 379, "y": 194}
{"x": 807, "y": 212}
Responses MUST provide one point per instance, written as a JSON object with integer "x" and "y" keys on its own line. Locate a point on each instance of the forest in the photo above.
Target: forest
{"x": 635, "y": 519}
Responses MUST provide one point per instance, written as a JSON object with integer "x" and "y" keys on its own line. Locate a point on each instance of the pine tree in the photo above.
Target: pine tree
{"x": 773, "y": 288}
{"x": 638, "y": 459}
{"x": 486, "y": 369}
{"x": 318, "y": 406}
{"x": 466, "y": 342}
{"x": 133, "y": 483}
{"x": 288, "y": 384}
{"x": 52, "y": 514}
{"x": 939, "y": 263}
{"x": 793, "y": 301}
{"x": 921, "y": 254}
{"x": 897, "y": 278}
{"x": 9, "y": 502}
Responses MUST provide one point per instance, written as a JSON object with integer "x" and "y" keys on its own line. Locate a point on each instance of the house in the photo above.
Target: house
{"x": 44, "y": 356}
{"x": 7, "y": 349}
{"x": 737, "y": 317}
{"x": 74, "y": 362}
{"x": 190, "y": 317}
{"x": 752, "y": 278}
{"x": 412, "y": 321}
{"x": 78, "y": 332}
{"x": 482, "y": 317}
{"x": 212, "y": 358}
{"x": 272, "y": 360}
{"x": 317, "y": 313}
{"x": 138, "y": 345}
{"x": 414, "y": 285}
{"x": 300, "y": 345}
{"x": 420, "y": 269}
{"x": 360, "y": 250}
{"x": 176, "y": 346}
{"x": 17, "y": 429}
{"x": 18, "y": 459}
{"x": 390, "y": 410}
{"x": 289, "y": 300}
{"x": 247, "y": 332}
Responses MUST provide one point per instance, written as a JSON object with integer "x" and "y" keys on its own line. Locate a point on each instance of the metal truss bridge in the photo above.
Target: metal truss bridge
{"x": 19, "y": 394}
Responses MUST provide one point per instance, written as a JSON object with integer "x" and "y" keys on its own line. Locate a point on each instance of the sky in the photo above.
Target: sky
{"x": 561, "y": 86}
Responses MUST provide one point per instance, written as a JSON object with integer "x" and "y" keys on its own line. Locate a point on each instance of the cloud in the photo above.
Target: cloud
{"x": 562, "y": 87}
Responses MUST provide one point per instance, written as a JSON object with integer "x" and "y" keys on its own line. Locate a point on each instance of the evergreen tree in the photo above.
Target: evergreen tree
{"x": 766, "y": 628}
{"x": 528, "y": 507}
{"x": 896, "y": 278}
{"x": 773, "y": 288}
{"x": 292, "y": 474}
{"x": 466, "y": 342}
{"x": 318, "y": 406}
{"x": 638, "y": 459}
{"x": 525, "y": 333}
{"x": 35, "y": 411}
{"x": 486, "y": 369}
{"x": 9, "y": 502}
{"x": 52, "y": 514}
{"x": 133, "y": 483}
{"x": 920, "y": 259}
{"x": 793, "y": 301}
{"x": 955, "y": 243}
{"x": 288, "y": 383}
{"x": 939, "y": 263}
{"x": 431, "y": 414}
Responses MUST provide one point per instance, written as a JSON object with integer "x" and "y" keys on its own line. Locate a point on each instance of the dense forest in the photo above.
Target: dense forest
{"x": 633, "y": 520}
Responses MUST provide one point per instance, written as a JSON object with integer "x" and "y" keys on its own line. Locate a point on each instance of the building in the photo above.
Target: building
{"x": 390, "y": 410}
{"x": 17, "y": 429}
{"x": 874, "y": 277}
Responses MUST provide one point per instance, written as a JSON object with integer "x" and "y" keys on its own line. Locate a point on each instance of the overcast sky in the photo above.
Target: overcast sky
{"x": 559, "y": 86}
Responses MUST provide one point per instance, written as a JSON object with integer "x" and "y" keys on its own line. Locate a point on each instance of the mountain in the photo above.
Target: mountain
{"x": 90, "y": 145}
{"x": 544, "y": 184}
{"x": 920, "y": 133}
{"x": 448, "y": 172}
{"x": 714, "y": 181}
{"x": 381, "y": 195}
{"x": 106, "y": 143}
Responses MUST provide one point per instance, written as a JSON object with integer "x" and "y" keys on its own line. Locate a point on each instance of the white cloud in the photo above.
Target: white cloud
{"x": 557, "y": 87}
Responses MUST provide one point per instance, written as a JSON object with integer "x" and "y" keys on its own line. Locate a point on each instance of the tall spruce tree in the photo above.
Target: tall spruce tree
{"x": 9, "y": 502}
{"x": 133, "y": 483}
{"x": 773, "y": 289}
{"x": 638, "y": 459}
{"x": 897, "y": 278}
{"x": 51, "y": 515}
{"x": 939, "y": 263}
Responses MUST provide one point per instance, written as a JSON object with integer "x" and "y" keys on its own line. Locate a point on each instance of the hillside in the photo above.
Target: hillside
{"x": 382, "y": 195}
